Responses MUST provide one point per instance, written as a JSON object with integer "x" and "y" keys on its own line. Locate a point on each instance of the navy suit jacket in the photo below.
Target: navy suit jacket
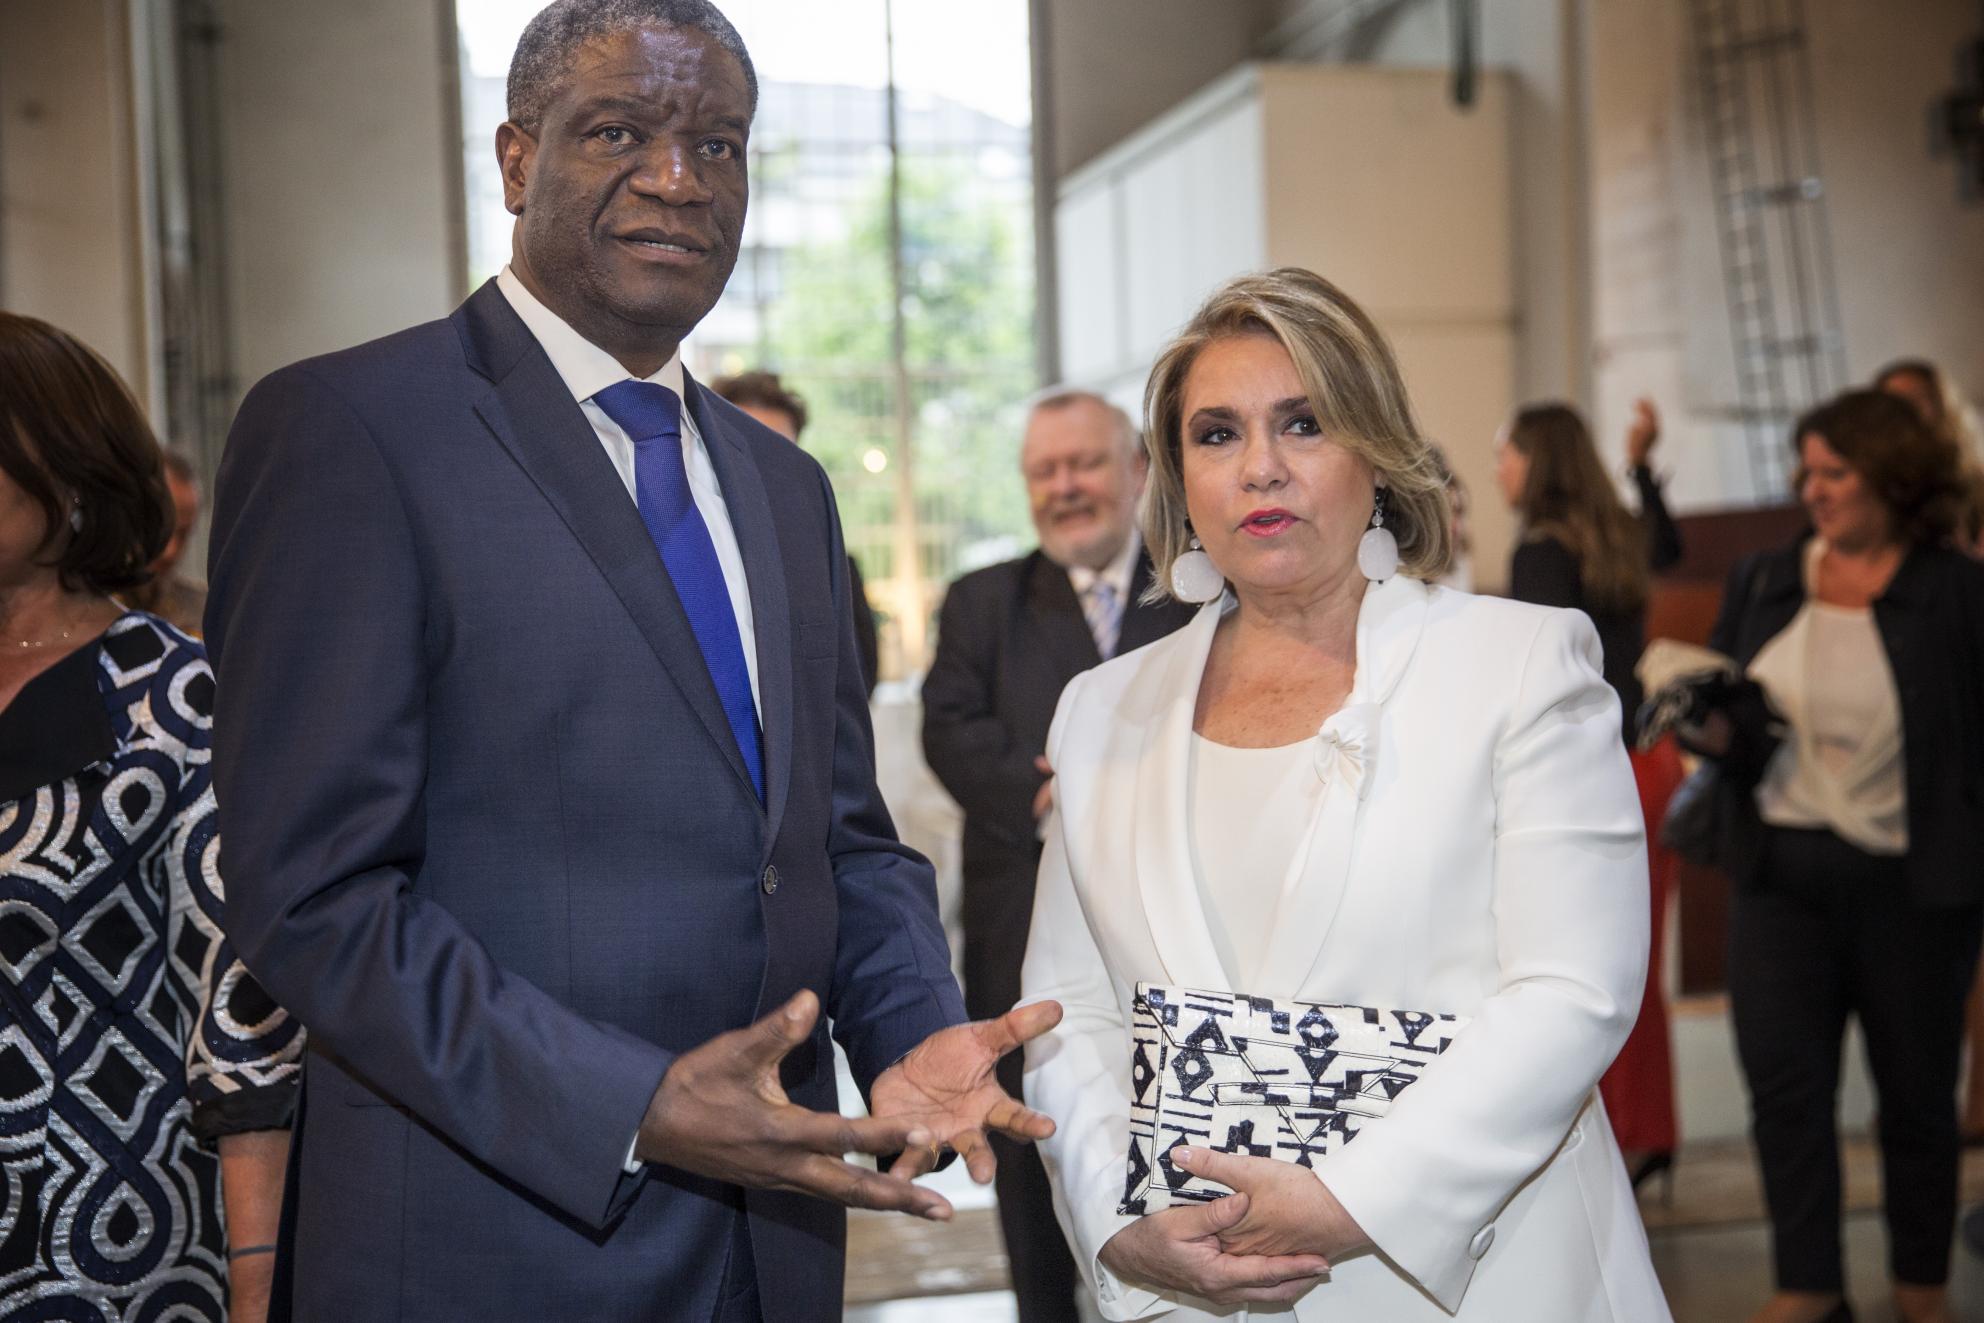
{"x": 486, "y": 832}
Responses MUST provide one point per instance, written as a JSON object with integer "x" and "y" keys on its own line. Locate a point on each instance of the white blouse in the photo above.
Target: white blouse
{"x": 1841, "y": 767}
{"x": 1251, "y": 811}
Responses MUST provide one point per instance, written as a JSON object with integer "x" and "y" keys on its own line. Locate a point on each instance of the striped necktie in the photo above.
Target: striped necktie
{"x": 1102, "y": 607}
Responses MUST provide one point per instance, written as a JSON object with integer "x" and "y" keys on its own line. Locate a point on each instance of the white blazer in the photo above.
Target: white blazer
{"x": 1478, "y": 849}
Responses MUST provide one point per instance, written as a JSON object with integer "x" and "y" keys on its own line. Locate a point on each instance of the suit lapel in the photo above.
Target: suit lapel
{"x": 1056, "y": 615}
{"x": 1388, "y": 628}
{"x": 533, "y": 414}
{"x": 764, "y": 569}
{"x": 1146, "y": 624}
{"x": 1162, "y": 812}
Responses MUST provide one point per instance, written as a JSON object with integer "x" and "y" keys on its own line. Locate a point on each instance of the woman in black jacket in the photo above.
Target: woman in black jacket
{"x": 1864, "y": 894}
{"x": 1582, "y": 548}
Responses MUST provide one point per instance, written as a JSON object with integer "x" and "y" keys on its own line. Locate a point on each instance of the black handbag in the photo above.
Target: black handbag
{"x": 1700, "y": 823}
{"x": 1711, "y": 818}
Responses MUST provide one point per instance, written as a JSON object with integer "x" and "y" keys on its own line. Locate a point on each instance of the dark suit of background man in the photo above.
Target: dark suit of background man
{"x": 764, "y": 397}
{"x": 1009, "y": 639}
{"x": 545, "y": 773}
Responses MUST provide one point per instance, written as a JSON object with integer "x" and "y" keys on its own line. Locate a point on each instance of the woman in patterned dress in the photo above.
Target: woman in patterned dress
{"x": 130, "y": 1036}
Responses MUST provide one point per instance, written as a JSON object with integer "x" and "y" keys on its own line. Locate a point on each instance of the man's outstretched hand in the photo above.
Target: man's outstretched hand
{"x": 720, "y": 1112}
{"x": 946, "y": 1088}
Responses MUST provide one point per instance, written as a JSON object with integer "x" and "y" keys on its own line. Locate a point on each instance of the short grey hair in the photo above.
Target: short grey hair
{"x": 1063, "y": 397}
{"x": 543, "y": 58}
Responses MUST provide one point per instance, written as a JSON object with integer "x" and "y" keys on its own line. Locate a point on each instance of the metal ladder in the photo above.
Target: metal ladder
{"x": 1754, "y": 78}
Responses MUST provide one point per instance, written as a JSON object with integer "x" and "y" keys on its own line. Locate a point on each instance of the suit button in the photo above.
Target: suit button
{"x": 769, "y": 882}
{"x": 1482, "y": 1240}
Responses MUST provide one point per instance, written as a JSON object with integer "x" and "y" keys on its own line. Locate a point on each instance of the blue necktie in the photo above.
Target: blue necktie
{"x": 651, "y": 416}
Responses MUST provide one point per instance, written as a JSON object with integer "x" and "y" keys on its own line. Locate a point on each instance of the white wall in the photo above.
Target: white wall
{"x": 342, "y": 176}
{"x": 1147, "y": 230}
{"x": 69, "y": 206}
{"x": 1381, "y": 184}
{"x": 1537, "y": 45}
{"x": 1908, "y": 254}
{"x": 1913, "y": 279}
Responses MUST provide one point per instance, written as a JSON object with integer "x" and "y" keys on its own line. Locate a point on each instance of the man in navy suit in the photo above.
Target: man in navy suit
{"x": 545, "y": 773}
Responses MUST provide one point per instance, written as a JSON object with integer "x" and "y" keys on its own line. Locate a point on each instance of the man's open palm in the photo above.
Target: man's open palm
{"x": 947, "y": 1086}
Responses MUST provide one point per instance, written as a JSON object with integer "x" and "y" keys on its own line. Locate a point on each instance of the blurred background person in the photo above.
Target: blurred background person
{"x": 168, "y": 594}
{"x": 1942, "y": 406}
{"x": 1009, "y": 639}
{"x": 116, "y": 984}
{"x": 1582, "y": 548}
{"x": 766, "y": 398}
{"x": 1937, "y": 399}
{"x": 1949, "y": 415}
{"x": 1862, "y": 893}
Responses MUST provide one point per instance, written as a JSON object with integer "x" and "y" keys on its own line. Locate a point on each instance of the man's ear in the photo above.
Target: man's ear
{"x": 516, "y": 150}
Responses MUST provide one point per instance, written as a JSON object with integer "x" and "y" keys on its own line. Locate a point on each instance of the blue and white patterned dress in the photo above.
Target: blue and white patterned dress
{"x": 130, "y": 1035}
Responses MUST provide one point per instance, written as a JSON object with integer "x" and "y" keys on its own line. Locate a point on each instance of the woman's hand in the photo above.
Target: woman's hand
{"x": 1178, "y": 1249}
{"x": 1642, "y": 433}
{"x": 1289, "y": 1209}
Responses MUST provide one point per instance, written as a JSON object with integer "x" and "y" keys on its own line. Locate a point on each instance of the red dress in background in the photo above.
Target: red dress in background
{"x": 1639, "y": 1088}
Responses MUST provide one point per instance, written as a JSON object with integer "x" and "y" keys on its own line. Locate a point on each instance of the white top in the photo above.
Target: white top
{"x": 1841, "y": 767}
{"x": 1251, "y": 813}
{"x": 586, "y": 370}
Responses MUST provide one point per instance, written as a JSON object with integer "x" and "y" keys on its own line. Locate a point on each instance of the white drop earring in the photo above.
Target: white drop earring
{"x": 1194, "y": 578}
{"x": 76, "y": 518}
{"x": 1377, "y": 550}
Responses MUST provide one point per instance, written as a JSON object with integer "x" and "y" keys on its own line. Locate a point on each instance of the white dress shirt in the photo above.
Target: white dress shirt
{"x": 586, "y": 370}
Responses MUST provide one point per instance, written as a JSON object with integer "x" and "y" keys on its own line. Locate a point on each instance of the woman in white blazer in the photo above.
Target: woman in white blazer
{"x": 1342, "y": 784}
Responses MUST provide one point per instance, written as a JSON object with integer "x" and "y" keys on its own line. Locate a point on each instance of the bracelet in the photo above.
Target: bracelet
{"x": 247, "y": 1250}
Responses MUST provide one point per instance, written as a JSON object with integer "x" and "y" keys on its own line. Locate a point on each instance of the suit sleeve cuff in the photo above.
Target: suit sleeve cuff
{"x": 1120, "y": 1300}
{"x": 1432, "y": 1250}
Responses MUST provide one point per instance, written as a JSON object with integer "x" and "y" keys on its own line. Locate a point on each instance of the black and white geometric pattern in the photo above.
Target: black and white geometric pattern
{"x": 1260, "y": 1078}
{"x": 115, "y": 987}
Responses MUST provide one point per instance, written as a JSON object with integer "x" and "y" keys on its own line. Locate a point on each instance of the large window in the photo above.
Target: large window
{"x": 887, "y": 269}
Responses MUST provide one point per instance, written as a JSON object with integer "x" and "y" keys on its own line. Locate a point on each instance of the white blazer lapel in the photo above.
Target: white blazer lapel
{"x": 1170, "y": 893}
{"x": 1349, "y": 761}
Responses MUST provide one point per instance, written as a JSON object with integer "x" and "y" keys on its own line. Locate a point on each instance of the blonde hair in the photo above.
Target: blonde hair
{"x": 1353, "y": 384}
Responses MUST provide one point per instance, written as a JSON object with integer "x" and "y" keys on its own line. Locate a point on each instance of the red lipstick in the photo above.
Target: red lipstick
{"x": 1267, "y": 523}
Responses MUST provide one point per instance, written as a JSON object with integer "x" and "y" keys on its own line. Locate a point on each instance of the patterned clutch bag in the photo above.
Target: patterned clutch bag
{"x": 1292, "y": 1080}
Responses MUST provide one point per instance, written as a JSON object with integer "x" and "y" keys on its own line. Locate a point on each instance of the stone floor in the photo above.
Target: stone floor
{"x": 1709, "y": 1246}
